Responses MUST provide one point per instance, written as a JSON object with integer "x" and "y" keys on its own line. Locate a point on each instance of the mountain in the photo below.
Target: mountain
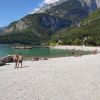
{"x": 37, "y": 28}
{"x": 69, "y": 9}
{"x": 91, "y": 4}
{"x": 33, "y": 28}
{"x": 86, "y": 32}
{"x": 39, "y": 21}
{"x": 2, "y": 30}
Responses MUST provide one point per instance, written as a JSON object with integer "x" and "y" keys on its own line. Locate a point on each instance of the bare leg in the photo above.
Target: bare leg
{"x": 18, "y": 64}
{"x": 21, "y": 64}
{"x": 15, "y": 64}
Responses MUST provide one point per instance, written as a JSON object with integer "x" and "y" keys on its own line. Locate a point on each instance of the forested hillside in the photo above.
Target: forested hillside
{"x": 86, "y": 32}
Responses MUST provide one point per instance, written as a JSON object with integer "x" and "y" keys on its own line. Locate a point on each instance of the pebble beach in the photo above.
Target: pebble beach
{"x": 65, "y": 78}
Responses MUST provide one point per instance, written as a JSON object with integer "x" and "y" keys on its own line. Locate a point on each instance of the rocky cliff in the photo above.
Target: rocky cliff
{"x": 51, "y": 18}
{"x": 37, "y": 22}
{"x": 71, "y": 12}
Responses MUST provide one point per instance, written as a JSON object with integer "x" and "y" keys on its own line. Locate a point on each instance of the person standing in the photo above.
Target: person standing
{"x": 15, "y": 59}
{"x": 20, "y": 60}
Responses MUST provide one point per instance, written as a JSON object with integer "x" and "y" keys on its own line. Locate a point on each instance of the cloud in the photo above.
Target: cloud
{"x": 44, "y": 2}
{"x": 49, "y": 1}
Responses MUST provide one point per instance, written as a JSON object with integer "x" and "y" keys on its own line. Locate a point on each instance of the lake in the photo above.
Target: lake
{"x": 6, "y": 49}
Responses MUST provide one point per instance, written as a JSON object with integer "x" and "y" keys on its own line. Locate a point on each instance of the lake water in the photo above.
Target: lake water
{"x": 35, "y": 51}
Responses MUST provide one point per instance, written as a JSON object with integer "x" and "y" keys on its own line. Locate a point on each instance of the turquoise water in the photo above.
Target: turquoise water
{"x": 36, "y": 51}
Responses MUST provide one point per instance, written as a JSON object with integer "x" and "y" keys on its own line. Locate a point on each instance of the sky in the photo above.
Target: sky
{"x": 12, "y": 10}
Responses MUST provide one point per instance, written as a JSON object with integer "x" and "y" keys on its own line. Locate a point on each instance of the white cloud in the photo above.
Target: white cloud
{"x": 34, "y": 10}
{"x": 49, "y": 1}
{"x": 44, "y": 2}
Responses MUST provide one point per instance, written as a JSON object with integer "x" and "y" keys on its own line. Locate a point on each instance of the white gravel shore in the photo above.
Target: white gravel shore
{"x": 66, "y": 78}
{"x": 83, "y": 48}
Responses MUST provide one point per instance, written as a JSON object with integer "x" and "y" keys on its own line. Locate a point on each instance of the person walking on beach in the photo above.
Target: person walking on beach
{"x": 15, "y": 59}
{"x": 20, "y": 59}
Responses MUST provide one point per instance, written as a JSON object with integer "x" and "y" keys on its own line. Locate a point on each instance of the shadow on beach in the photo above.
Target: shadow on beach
{"x": 25, "y": 66}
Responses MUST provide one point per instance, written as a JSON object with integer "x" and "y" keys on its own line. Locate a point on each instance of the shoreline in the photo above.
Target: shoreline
{"x": 82, "y": 48}
{"x": 79, "y": 49}
{"x": 72, "y": 47}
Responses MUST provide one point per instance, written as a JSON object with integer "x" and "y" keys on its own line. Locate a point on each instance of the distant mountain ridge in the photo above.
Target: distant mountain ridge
{"x": 72, "y": 10}
{"x": 51, "y": 18}
{"x": 92, "y": 4}
{"x": 40, "y": 20}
